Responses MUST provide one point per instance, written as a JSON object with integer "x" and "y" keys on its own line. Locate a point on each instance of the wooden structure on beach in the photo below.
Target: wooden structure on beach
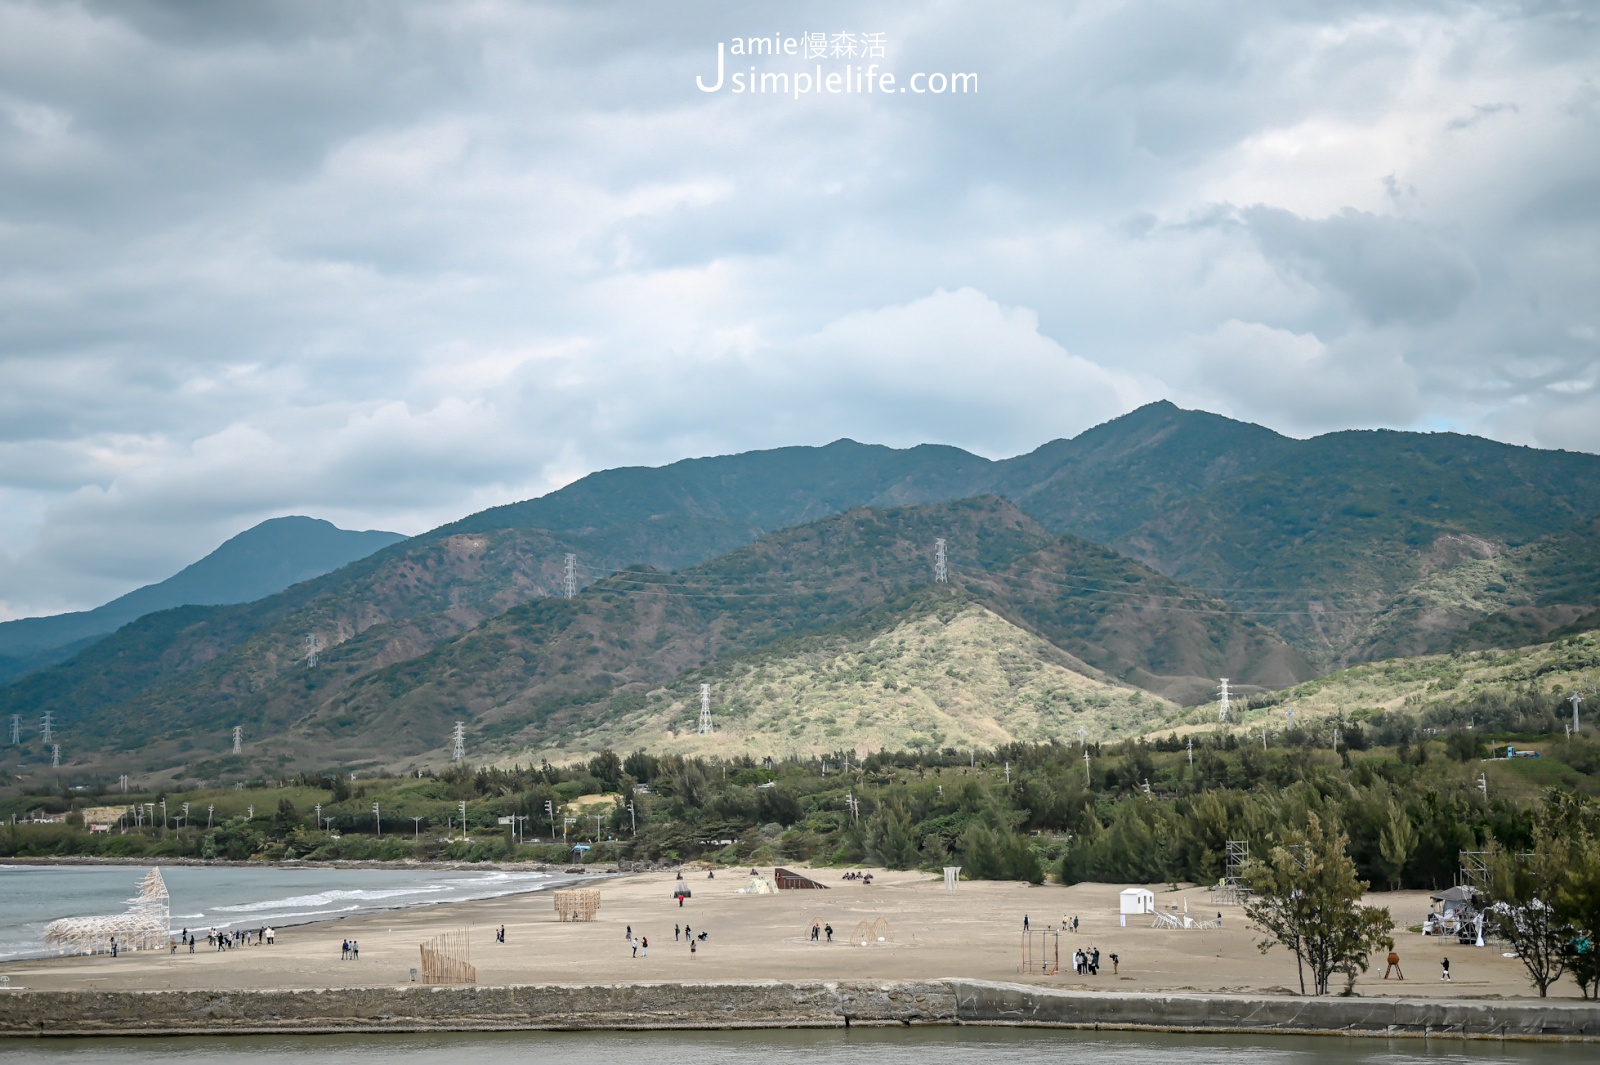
{"x": 789, "y": 880}
{"x": 577, "y": 904}
{"x": 146, "y": 926}
{"x": 447, "y": 959}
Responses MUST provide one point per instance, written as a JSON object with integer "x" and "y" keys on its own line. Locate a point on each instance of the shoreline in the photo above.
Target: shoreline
{"x": 306, "y": 922}
{"x": 772, "y": 1004}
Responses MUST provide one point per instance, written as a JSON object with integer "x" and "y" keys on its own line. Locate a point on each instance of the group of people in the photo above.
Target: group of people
{"x": 1087, "y": 962}
{"x": 865, "y": 878}
{"x": 817, "y": 931}
{"x": 350, "y": 951}
{"x": 243, "y": 937}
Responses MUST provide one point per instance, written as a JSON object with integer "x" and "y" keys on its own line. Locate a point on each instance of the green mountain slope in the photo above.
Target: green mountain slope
{"x": 551, "y": 667}
{"x": 1329, "y": 533}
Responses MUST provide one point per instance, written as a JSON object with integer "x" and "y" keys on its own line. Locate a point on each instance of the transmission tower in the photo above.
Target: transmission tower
{"x": 705, "y": 709}
{"x": 459, "y": 754}
{"x": 1222, "y": 711}
{"x": 569, "y": 576}
{"x": 16, "y": 729}
{"x": 313, "y": 645}
{"x": 55, "y": 756}
{"x": 238, "y": 739}
{"x": 1575, "y": 699}
{"x": 47, "y": 733}
{"x": 941, "y": 566}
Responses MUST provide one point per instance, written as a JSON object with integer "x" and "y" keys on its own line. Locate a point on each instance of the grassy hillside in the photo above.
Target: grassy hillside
{"x": 1519, "y": 690}
{"x": 947, "y": 673}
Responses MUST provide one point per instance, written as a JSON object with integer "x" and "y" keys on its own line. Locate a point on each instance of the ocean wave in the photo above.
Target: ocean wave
{"x": 328, "y": 898}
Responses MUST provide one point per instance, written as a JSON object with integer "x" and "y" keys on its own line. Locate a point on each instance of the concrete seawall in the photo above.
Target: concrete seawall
{"x": 768, "y": 1005}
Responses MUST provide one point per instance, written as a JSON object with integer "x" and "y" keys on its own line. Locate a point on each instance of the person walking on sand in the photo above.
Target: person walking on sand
{"x": 629, "y": 933}
{"x": 691, "y": 948}
{"x": 828, "y": 928}
{"x": 675, "y": 930}
{"x": 644, "y": 946}
{"x": 1024, "y": 922}
{"x": 1444, "y": 970}
{"x": 634, "y": 943}
{"x": 355, "y": 950}
{"x": 344, "y": 950}
{"x": 1393, "y": 966}
{"x": 1115, "y": 961}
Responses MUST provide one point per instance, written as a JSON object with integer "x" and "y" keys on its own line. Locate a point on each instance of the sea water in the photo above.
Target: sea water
{"x": 859, "y": 1046}
{"x": 225, "y": 897}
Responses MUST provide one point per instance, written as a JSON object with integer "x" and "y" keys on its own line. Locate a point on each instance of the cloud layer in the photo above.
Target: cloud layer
{"x": 389, "y": 263}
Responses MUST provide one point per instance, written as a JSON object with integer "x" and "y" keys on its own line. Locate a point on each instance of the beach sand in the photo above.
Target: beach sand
{"x": 973, "y": 933}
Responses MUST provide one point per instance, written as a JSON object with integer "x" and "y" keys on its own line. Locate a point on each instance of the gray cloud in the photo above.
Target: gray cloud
{"x": 1390, "y": 269}
{"x": 390, "y": 262}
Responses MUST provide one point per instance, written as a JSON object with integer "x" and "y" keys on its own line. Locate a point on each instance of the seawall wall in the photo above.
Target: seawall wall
{"x": 768, "y": 1005}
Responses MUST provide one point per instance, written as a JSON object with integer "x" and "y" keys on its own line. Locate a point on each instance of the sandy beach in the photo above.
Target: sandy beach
{"x": 973, "y": 933}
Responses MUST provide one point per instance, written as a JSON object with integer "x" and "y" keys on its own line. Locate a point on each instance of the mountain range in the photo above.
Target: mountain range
{"x": 1145, "y": 557}
{"x": 267, "y": 558}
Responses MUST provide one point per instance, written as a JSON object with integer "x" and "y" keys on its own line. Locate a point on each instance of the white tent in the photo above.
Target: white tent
{"x": 1138, "y": 900}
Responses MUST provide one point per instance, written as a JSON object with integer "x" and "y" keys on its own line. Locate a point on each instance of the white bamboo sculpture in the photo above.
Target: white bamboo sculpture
{"x": 146, "y": 926}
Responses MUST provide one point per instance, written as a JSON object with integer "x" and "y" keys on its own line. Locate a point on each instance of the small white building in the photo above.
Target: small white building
{"x": 1138, "y": 900}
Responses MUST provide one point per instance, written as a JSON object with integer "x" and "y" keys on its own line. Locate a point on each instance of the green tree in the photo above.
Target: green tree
{"x": 889, "y": 839}
{"x": 1396, "y": 842}
{"x": 1307, "y": 898}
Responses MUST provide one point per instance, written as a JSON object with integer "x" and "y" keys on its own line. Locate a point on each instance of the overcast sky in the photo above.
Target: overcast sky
{"x": 388, "y": 263}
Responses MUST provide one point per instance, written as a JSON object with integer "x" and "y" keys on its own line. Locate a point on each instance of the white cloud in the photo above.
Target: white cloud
{"x": 388, "y": 264}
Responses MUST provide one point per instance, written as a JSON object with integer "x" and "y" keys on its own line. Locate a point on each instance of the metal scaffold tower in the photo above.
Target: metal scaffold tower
{"x": 1231, "y": 891}
{"x": 1475, "y": 871}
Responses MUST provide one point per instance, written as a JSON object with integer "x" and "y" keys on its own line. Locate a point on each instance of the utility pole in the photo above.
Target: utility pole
{"x": 16, "y": 729}
{"x": 378, "y": 818}
{"x": 55, "y": 756}
{"x": 238, "y": 739}
{"x": 1008, "y": 772}
{"x": 1483, "y": 785}
{"x": 853, "y": 804}
{"x": 569, "y": 576}
{"x": 633, "y": 821}
{"x": 941, "y": 564}
{"x": 1086, "y": 777}
{"x": 705, "y": 709}
{"x": 1191, "y": 750}
{"x": 1222, "y": 710}
{"x": 185, "y": 815}
{"x": 1290, "y": 713}
{"x": 1576, "y": 700}
{"x": 462, "y": 808}
{"x": 211, "y": 809}
{"x": 416, "y": 827}
{"x": 459, "y": 752}
{"x": 550, "y": 809}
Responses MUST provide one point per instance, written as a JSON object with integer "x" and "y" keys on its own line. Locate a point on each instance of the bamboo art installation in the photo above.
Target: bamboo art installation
{"x": 447, "y": 959}
{"x": 579, "y": 904}
{"x": 146, "y": 926}
{"x": 871, "y": 935}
